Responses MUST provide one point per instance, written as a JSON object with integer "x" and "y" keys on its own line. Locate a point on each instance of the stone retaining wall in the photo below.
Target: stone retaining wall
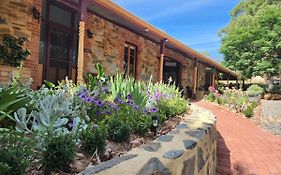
{"x": 188, "y": 149}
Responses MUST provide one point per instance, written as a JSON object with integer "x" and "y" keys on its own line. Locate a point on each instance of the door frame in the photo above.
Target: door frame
{"x": 51, "y": 25}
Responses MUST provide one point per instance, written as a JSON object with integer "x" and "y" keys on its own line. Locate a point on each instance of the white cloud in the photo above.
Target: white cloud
{"x": 162, "y": 8}
{"x": 204, "y": 42}
{"x": 177, "y": 9}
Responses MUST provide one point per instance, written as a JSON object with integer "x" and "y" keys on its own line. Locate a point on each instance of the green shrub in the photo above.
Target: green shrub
{"x": 59, "y": 152}
{"x": 12, "y": 52}
{"x": 255, "y": 90}
{"x": 254, "y": 105}
{"x": 140, "y": 124}
{"x": 172, "y": 107}
{"x": 211, "y": 97}
{"x": 221, "y": 101}
{"x": 118, "y": 131}
{"x": 249, "y": 112}
{"x": 274, "y": 88}
{"x": 16, "y": 153}
{"x": 161, "y": 114}
{"x": 94, "y": 139}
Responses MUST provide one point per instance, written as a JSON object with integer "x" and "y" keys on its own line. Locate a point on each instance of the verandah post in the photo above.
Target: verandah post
{"x": 161, "y": 61}
{"x": 80, "y": 66}
{"x": 195, "y": 73}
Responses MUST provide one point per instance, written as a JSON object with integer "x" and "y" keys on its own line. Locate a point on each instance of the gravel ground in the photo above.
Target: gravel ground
{"x": 270, "y": 118}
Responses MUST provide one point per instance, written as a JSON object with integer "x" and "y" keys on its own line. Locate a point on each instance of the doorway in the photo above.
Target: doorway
{"x": 59, "y": 41}
{"x": 171, "y": 72}
{"x": 208, "y": 79}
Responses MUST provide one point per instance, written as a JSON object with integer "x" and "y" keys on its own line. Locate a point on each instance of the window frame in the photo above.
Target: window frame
{"x": 135, "y": 56}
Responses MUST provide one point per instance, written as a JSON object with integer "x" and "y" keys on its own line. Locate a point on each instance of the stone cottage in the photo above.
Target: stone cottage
{"x": 68, "y": 37}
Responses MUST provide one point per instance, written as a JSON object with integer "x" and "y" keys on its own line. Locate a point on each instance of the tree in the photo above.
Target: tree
{"x": 251, "y": 43}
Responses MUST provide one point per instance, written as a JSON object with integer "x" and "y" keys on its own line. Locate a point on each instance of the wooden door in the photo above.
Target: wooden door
{"x": 59, "y": 54}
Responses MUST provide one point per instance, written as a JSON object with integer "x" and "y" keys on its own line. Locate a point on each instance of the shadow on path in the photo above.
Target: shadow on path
{"x": 223, "y": 157}
{"x": 224, "y": 164}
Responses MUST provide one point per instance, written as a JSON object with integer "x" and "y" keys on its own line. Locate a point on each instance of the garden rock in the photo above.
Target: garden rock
{"x": 189, "y": 144}
{"x": 173, "y": 154}
{"x": 165, "y": 138}
{"x": 189, "y": 166}
{"x": 154, "y": 166}
{"x": 182, "y": 126}
{"x": 175, "y": 131}
{"x": 199, "y": 134}
{"x": 200, "y": 159}
{"x": 152, "y": 147}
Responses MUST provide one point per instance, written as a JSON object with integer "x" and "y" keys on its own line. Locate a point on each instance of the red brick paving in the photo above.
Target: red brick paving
{"x": 243, "y": 147}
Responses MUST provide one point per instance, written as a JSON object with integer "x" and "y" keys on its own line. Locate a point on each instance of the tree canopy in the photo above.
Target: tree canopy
{"x": 251, "y": 43}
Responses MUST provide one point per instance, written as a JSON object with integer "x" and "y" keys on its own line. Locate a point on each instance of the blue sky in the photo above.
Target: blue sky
{"x": 194, "y": 22}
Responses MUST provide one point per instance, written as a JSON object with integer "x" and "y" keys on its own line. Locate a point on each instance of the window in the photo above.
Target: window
{"x": 60, "y": 16}
{"x": 130, "y": 60}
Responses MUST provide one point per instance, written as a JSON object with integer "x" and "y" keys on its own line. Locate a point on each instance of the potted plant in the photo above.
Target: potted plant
{"x": 12, "y": 55}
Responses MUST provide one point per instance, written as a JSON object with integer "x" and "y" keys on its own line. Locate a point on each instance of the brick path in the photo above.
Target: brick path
{"x": 243, "y": 147}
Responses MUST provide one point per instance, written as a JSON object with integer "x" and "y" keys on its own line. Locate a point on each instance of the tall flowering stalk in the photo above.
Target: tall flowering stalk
{"x": 161, "y": 91}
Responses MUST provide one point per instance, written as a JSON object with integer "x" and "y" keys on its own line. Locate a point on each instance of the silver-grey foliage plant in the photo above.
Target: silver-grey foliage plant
{"x": 56, "y": 112}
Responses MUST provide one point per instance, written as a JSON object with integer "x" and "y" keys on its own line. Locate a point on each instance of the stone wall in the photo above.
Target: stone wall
{"x": 201, "y": 80}
{"x": 107, "y": 48}
{"x": 7, "y": 73}
{"x": 188, "y": 149}
{"x": 16, "y": 19}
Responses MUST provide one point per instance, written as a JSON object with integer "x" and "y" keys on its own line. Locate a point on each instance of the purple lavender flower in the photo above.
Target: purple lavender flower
{"x": 99, "y": 103}
{"x": 107, "y": 112}
{"x": 130, "y": 97}
{"x": 145, "y": 110}
{"x": 153, "y": 110}
{"x": 97, "y": 112}
{"x": 82, "y": 96}
{"x": 87, "y": 100}
{"x": 92, "y": 99}
{"x": 113, "y": 106}
{"x": 138, "y": 108}
{"x": 131, "y": 103}
{"x": 118, "y": 101}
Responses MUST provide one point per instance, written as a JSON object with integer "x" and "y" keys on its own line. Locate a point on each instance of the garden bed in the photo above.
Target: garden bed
{"x": 65, "y": 127}
{"x": 115, "y": 150}
{"x": 236, "y": 100}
